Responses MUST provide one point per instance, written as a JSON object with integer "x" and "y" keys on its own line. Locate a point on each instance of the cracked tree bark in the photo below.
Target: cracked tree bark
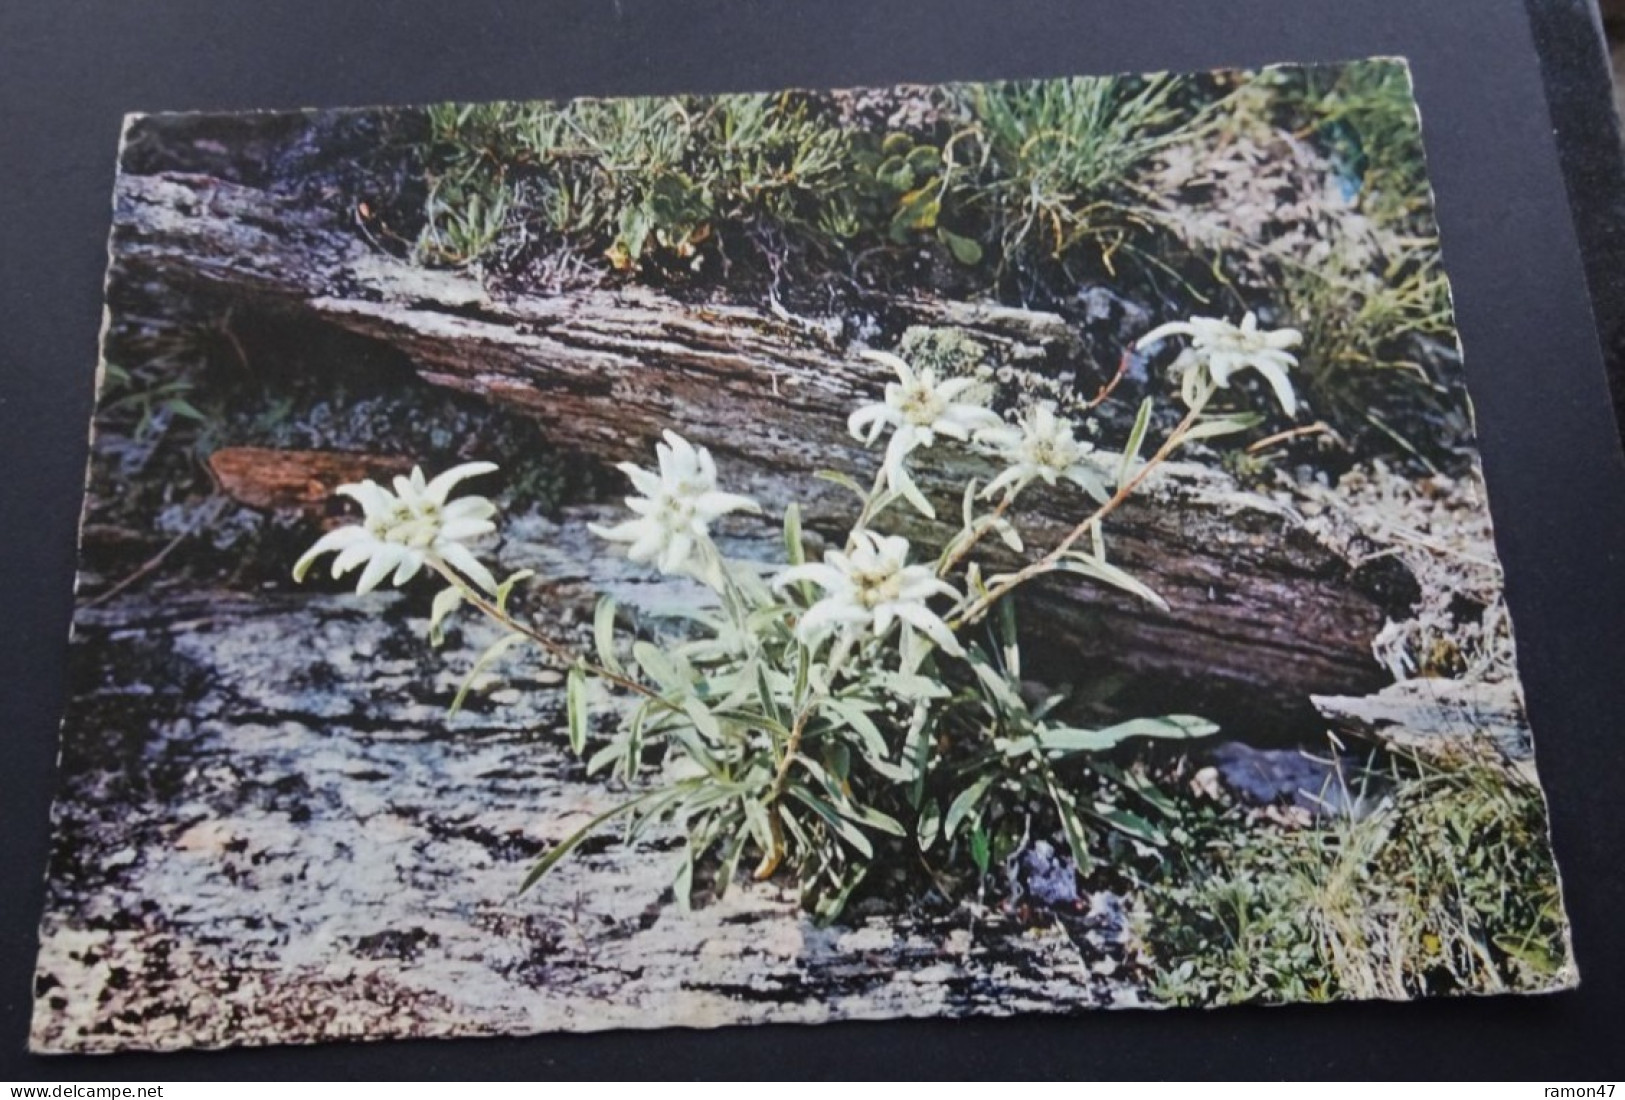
{"x": 1262, "y": 614}
{"x": 260, "y": 842}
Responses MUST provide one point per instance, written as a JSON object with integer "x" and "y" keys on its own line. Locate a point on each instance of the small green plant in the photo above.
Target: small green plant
{"x": 1444, "y": 886}
{"x": 149, "y": 395}
{"x": 818, "y": 715}
{"x": 649, "y": 182}
{"x": 1061, "y": 159}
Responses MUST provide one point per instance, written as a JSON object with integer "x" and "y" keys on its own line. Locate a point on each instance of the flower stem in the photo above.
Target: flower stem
{"x": 868, "y": 511}
{"x": 988, "y": 522}
{"x": 562, "y": 653}
{"x": 979, "y": 607}
{"x": 774, "y": 856}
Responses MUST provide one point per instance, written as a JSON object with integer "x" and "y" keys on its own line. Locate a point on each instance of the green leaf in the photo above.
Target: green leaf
{"x": 1077, "y": 837}
{"x": 758, "y": 822}
{"x": 1070, "y": 739}
{"x": 852, "y": 714}
{"x": 965, "y": 804}
{"x": 924, "y": 158}
{"x": 703, "y": 719}
{"x": 826, "y": 909}
{"x": 906, "y": 686}
{"x": 848, "y": 832}
{"x": 1097, "y": 569}
{"x": 804, "y": 661}
{"x": 505, "y": 589}
{"x": 1136, "y": 438}
{"x": 792, "y": 534}
{"x": 1128, "y": 823}
{"x": 493, "y": 651}
{"x": 730, "y": 859}
{"x": 446, "y": 601}
{"x": 845, "y": 482}
{"x": 1006, "y": 700}
{"x": 1176, "y": 726}
{"x": 882, "y": 821}
{"x": 606, "y": 755}
{"x": 682, "y": 883}
{"x": 180, "y": 406}
{"x": 919, "y": 208}
{"x": 1140, "y": 786}
{"x": 981, "y": 848}
{"x": 573, "y": 841}
{"x": 575, "y": 699}
{"x": 751, "y": 718}
{"x": 930, "y": 824}
{"x": 965, "y": 250}
{"x": 653, "y": 661}
{"x": 917, "y": 748}
{"x": 895, "y": 173}
{"x": 603, "y": 632}
{"x": 896, "y": 144}
{"x": 698, "y": 751}
{"x": 1224, "y": 425}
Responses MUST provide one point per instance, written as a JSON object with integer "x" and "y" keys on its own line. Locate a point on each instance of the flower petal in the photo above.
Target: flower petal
{"x": 1281, "y": 384}
{"x": 824, "y": 576}
{"x": 1162, "y": 332}
{"x": 331, "y": 542}
{"x": 384, "y": 559}
{"x": 923, "y": 619}
{"x": 676, "y": 552}
{"x": 461, "y": 530}
{"x": 460, "y": 558}
{"x": 646, "y": 482}
{"x": 905, "y": 373}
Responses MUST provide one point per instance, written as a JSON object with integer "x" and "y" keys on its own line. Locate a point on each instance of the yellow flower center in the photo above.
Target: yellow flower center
{"x": 921, "y": 406}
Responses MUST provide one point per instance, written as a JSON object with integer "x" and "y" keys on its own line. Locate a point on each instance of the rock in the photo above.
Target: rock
{"x": 1426, "y": 713}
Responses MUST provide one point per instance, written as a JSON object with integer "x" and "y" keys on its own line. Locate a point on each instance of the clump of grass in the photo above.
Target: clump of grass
{"x": 1061, "y": 160}
{"x": 1448, "y": 886}
{"x": 996, "y": 174}
{"x": 1207, "y": 194}
{"x": 1369, "y": 313}
{"x": 652, "y": 183}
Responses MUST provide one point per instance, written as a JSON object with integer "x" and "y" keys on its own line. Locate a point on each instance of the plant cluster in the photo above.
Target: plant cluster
{"x": 1446, "y": 886}
{"x": 1306, "y": 181}
{"x": 1000, "y": 173}
{"x": 1311, "y": 181}
{"x": 817, "y": 717}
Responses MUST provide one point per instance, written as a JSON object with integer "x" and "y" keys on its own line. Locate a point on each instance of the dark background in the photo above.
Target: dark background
{"x": 69, "y": 69}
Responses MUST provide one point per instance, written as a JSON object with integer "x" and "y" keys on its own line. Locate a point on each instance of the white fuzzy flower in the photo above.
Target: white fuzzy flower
{"x": 1223, "y": 348}
{"x": 676, "y": 507}
{"x": 1044, "y": 446}
{"x": 402, "y": 531}
{"x": 871, "y": 586}
{"x": 918, "y": 408}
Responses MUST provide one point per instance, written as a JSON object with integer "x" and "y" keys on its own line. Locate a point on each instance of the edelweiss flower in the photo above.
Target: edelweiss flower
{"x": 872, "y": 586}
{"x": 918, "y": 408}
{"x": 403, "y": 531}
{"x": 1223, "y": 349}
{"x": 676, "y": 508}
{"x": 1043, "y": 446}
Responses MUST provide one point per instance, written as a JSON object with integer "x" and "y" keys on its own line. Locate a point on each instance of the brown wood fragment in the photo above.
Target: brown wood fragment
{"x": 277, "y": 480}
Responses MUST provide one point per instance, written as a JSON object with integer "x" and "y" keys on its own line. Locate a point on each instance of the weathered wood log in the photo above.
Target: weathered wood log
{"x": 1262, "y": 613}
{"x": 269, "y": 831}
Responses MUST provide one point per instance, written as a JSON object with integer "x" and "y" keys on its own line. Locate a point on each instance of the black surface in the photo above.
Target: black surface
{"x": 1557, "y": 484}
{"x": 1577, "y": 78}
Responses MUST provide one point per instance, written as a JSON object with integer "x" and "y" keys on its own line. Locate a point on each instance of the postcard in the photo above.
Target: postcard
{"x": 973, "y": 549}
